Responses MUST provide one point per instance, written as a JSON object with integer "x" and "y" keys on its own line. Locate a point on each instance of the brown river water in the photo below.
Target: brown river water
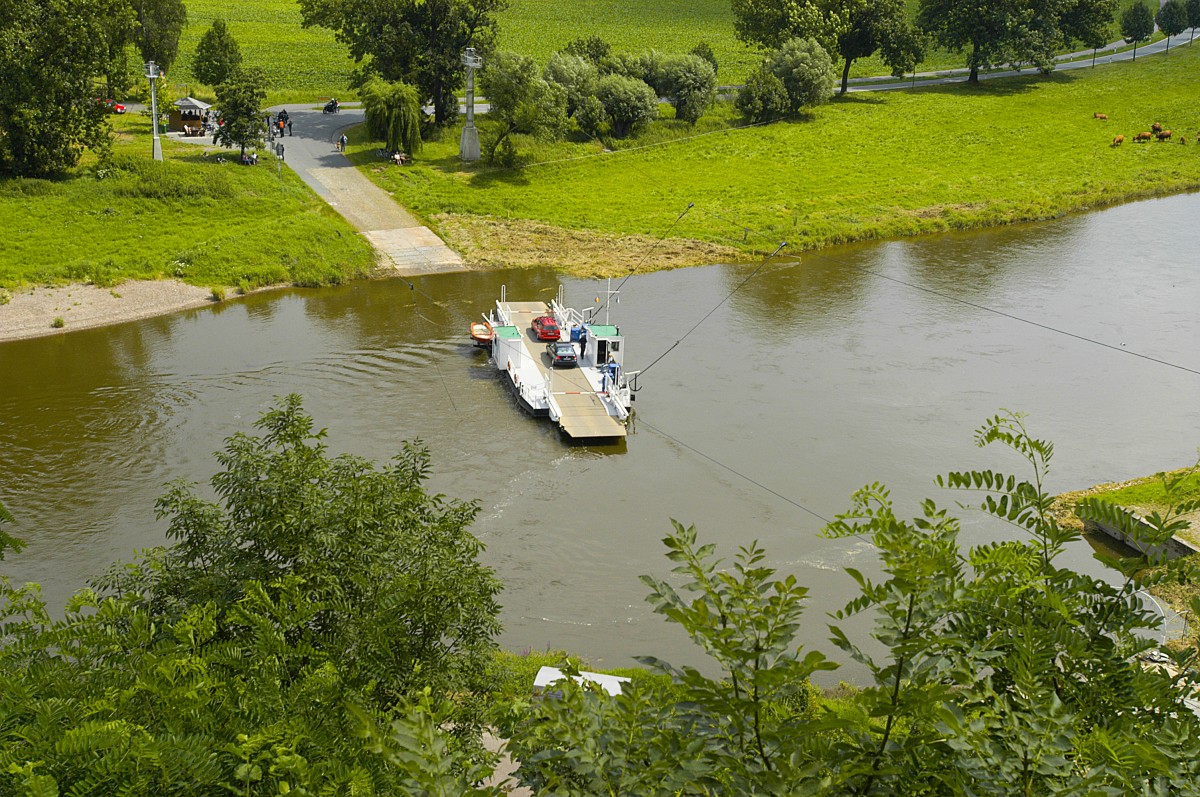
{"x": 864, "y": 363}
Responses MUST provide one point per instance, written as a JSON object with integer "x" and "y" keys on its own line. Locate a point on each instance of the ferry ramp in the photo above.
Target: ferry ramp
{"x": 582, "y": 414}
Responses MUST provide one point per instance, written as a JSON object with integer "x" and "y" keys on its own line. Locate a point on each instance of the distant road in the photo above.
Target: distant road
{"x": 1104, "y": 55}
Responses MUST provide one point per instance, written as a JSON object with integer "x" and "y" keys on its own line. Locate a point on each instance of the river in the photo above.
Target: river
{"x": 864, "y": 363}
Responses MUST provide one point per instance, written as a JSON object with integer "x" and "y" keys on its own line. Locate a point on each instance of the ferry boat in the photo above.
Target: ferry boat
{"x": 591, "y": 399}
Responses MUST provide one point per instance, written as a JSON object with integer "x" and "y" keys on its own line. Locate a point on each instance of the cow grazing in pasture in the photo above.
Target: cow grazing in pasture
{"x": 1164, "y": 135}
{"x": 1156, "y": 128}
{"x": 1103, "y": 117}
{"x": 1183, "y": 139}
{"x": 1143, "y": 137}
{"x": 1118, "y": 141}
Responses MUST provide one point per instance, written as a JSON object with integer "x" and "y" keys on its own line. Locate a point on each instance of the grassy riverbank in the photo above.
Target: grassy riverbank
{"x": 207, "y": 223}
{"x": 1146, "y": 495}
{"x": 868, "y": 166}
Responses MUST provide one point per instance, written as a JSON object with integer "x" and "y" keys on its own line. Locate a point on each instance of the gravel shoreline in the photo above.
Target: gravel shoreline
{"x": 31, "y": 313}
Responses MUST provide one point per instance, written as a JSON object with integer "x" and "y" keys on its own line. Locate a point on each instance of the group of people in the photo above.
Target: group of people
{"x": 279, "y": 124}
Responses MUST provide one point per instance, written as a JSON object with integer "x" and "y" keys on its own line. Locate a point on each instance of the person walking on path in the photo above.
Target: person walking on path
{"x": 342, "y": 142}
{"x": 289, "y": 127}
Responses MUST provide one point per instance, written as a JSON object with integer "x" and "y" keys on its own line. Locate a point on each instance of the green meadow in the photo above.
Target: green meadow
{"x": 207, "y": 223}
{"x": 868, "y": 166}
{"x": 305, "y": 64}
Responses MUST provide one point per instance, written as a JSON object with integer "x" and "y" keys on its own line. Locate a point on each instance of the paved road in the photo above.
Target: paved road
{"x": 310, "y": 151}
{"x": 1105, "y": 55}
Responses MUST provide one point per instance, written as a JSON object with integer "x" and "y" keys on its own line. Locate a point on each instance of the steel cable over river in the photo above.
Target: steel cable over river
{"x": 813, "y": 379}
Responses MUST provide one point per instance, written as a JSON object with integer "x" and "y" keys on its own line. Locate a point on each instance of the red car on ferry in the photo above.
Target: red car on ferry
{"x": 546, "y": 328}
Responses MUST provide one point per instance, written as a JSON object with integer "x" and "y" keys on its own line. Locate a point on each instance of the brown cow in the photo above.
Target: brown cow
{"x": 1118, "y": 141}
{"x": 1156, "y": 128}
{"x": 1143, "y": 137}
{"x": 1165, "y": 135}
{"x": 1103, "y": 117}
{"x": 1183, "y": 139}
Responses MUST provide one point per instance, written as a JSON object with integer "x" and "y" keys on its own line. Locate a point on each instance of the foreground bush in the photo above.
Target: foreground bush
{"x": 318, "y": 597}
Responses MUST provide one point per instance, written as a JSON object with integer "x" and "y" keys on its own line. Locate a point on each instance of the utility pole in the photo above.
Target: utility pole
{"x": 468, "y": 145}
{"x": 153, "y": 73}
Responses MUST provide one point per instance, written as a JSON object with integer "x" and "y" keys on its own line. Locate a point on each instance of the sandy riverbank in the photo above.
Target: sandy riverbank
{"x": 32, "y": 312}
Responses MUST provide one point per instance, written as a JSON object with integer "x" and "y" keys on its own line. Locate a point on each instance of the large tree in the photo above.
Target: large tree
{"x": 160, "y": 23}
{"x": 416, "y": 41}
{"x": 1137, "y": 25}
{"x": 1193, "y": 15}
{"x": 1172, "y": 19}
{"x": 239, "y": 105}
{"x": 996, "y": 32}
{"x": 883, "y": 25}
{"x": 51, "y": 55}
{"x": 217, "y": 55}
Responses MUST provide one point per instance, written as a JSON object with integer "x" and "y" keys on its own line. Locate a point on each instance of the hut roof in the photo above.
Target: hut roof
{"x": 191, "y": 104}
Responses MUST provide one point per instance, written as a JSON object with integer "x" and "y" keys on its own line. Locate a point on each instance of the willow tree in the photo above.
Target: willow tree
{"x": 393, "y": 114}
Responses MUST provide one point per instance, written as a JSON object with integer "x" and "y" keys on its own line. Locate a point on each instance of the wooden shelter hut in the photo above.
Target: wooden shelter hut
{"x": 187, "y": 116}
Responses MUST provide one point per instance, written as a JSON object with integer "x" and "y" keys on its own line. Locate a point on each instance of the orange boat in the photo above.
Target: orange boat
{"x": 482, "y": 333}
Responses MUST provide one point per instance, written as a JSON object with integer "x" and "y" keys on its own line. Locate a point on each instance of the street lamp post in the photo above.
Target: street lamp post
{"x": 152, "y": 73}
{"x": 468, "y": 145}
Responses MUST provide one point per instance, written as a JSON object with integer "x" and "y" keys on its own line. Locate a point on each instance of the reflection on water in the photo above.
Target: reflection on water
{"x": 863, "y": 363}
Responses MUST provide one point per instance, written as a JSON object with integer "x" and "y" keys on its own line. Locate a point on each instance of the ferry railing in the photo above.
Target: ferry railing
{"x": 567, "y": 316}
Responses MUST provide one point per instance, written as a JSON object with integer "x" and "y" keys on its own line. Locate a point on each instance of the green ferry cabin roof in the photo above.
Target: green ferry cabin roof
{"x": 603, "y": 331}
{"x": 508, "y": 332}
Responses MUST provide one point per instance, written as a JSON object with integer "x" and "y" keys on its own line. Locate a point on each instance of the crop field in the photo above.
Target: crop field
{"x": 869, "y": 166}
{"x": 306, "y": 64}
{"x": 208, "y": 223}
{"x": 299, "y": 62}
{"x": 539, "y": 27}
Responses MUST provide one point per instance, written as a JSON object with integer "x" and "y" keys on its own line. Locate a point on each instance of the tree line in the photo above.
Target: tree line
{"x": 325, "y": 626}
{"x": 57, "y": 58}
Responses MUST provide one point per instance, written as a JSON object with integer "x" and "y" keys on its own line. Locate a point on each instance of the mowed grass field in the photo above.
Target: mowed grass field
{"x": 307, "y": 64}
{"x": 869, "y": 166}
{"x": 208, "y": 223}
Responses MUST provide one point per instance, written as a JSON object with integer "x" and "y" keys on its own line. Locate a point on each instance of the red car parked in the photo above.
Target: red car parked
{"x": 546, "y": 328}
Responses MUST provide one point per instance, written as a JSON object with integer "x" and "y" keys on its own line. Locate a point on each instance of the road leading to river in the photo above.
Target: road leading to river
{"x": 410, "y": 247}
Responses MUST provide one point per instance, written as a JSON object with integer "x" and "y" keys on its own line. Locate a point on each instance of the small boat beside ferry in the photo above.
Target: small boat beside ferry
{"x": 482, "y": 334}
{"x": 588, "y": 396}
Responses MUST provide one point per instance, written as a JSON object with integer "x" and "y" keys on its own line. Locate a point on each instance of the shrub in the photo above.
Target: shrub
{"x": 5, "y": 296}
{"x": 629, "y": 103}
{"x": 806, "y": 71}
{"x": 576, "y": 75}
{"x": 764, "y": 96}
{"x": 705, "y": 51}
{"x": 690, "y": 83}
{"x": 58, "y": 323}
{"x": 218, "y": 294}
{"x": 643, "y": 67}
{"x": 591, "y": 116}
{"x": 590, "y": 48}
